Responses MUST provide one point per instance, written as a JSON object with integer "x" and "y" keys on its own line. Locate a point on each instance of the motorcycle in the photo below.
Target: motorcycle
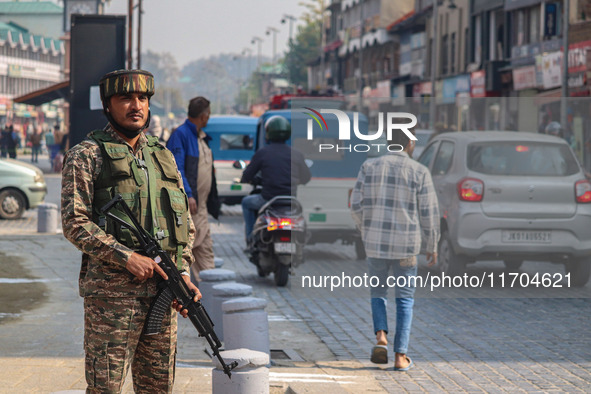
{"x": 278, "y": 238}
{"x": 276, "y": 244}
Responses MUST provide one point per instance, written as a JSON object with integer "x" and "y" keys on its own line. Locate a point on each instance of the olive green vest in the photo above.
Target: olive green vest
{"x": 148, "y": 186}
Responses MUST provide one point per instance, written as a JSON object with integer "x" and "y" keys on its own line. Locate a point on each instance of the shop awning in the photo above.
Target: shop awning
{"x": 42, "y": 96}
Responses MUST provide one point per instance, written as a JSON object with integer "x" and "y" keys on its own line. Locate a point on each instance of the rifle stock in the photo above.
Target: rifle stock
{"x": 170, "y": 289}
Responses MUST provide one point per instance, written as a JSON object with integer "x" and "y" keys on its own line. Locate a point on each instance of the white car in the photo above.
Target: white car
{"x": 22, "y": 187}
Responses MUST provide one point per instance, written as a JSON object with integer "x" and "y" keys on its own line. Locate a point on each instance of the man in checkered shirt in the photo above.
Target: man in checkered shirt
{"x": 395, "y": 207}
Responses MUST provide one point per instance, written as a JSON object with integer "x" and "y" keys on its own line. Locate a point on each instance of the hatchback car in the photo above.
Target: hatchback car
{"x": 510, "y": 196}
{"x": 21, "y": 187}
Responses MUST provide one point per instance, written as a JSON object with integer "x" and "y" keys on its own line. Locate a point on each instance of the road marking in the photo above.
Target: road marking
{"x": 282, "y": 318}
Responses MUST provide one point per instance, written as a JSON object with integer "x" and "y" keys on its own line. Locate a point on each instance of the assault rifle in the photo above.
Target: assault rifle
{"x": 170, "y": 289}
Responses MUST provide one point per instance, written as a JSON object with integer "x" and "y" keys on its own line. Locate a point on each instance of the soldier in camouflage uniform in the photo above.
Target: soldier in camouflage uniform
{"x": 118, "y": 283}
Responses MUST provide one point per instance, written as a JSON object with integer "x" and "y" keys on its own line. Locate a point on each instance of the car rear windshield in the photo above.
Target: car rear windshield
{"x": 522, "y": 158}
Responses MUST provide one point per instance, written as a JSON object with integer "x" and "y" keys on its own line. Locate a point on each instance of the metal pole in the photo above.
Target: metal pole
{"x": 322, "y": 45}
{"x": 360, "y": 104}
{"x": 139, "y": 34}
{"x": 563, "y": 99}
{"x": 129, "y": 34}
{"x": 432, "y": 107}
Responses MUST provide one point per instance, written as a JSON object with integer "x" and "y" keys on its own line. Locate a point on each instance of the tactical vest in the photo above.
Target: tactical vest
{"x": 148, "y": 186}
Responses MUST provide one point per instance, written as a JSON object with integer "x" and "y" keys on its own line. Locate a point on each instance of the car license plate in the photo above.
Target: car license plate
{"x": 285, "y": 247}
{"x": 538, "y": 237}
{"x": 236, "y": 186}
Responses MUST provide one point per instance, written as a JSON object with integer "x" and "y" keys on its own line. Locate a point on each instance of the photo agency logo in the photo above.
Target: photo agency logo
{"x": 371, "y": 140}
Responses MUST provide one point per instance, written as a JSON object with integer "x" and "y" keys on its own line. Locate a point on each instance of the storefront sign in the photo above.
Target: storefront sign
{"x": 477, "y": 83}
{"x": 551, "y": 70}
{"x": 14, "y": 70}
{"x": 524, "y": 78}
{"x": 577, "y": 80}
{"x": 577, "y": 56}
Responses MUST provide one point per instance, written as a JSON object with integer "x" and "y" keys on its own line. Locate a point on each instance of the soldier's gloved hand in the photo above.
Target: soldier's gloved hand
{"x": 143, "y": 267}
{"x": 179, "y": 307}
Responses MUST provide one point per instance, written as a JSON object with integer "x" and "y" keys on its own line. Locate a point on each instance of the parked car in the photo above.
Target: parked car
{"x": 232, "y": 139}
{"x": 510, "y": 196}
{"x": 22, "y": 187}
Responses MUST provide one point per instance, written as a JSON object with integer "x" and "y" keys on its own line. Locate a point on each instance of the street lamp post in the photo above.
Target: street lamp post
{"x": 432, "y": 107}
{"x": 274, "y": 31}
{"x": 291, "y": 19}
{"x": 249, "y": 65}
{"x": 563, "y": 100}
{"x": 259, "y": 41}
{"x": 434, "y": 46}
{"x": 360, "y": 102}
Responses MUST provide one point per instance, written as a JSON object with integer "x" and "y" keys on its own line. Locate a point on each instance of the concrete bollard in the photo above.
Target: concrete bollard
{"x": 246, "y": 324}
{"x": 224, "y": 292}
{"x": 218, "y": 262}
{"x": 210, "y": 278}
{"x": 250, "y": 376}
{"x": 47, "y": 218}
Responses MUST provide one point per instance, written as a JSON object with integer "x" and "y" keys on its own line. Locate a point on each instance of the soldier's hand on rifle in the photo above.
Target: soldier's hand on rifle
{"x": 192, "y": 287}
{"x": 143, "y": 267}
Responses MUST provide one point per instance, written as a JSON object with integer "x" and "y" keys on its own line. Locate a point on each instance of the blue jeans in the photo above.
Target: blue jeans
{"x": 404, "y": 298}
{"x": 250, "y": 209}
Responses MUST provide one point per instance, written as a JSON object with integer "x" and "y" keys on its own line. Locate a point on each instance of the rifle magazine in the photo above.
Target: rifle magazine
{"x": 158, "y": 309}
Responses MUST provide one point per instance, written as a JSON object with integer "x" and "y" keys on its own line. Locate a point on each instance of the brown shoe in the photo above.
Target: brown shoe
{"x": 379, "y": 354}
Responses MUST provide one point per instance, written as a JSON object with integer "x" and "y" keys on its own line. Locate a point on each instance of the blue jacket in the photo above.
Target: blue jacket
{"x": 184, "y": 145}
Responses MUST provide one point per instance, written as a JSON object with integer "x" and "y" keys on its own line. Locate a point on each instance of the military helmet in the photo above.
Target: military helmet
{"x": 126, "y": 81}
{"x": 554, "y": 128}
{"x": 277, "y": 128}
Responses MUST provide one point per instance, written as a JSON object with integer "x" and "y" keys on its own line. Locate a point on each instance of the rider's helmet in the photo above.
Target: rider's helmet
{"x": 554, "y": 128}
{"x": 277, "y": 129}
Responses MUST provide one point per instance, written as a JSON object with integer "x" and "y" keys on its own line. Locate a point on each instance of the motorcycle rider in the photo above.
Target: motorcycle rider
{"x": 282, "y": 168}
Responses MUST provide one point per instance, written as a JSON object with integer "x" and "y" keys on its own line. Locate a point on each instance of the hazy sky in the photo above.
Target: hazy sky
{"x": 191, "y": 29}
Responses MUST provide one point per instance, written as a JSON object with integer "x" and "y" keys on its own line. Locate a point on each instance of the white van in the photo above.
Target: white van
{"x": 334, "y": 171}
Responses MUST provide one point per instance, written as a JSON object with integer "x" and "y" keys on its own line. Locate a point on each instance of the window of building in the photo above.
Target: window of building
{"x": 477, "y": 39}
{"x": 534, "y": 25}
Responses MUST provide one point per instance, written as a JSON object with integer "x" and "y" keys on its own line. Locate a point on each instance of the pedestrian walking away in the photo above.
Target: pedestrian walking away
{"x": 395, "y": 207}
{"x": 190, "y": 146}
{"x": 117, "y": 282}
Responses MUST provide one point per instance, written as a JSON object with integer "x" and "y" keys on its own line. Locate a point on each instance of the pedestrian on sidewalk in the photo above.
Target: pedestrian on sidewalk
{"x": 395, "y": 208}
{"x": 35, "y": 144}
{"x": 117, "y": 282}
{"x": 190, "y": 146}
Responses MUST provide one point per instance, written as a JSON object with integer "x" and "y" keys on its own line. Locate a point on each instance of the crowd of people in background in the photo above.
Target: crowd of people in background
{"x": 36, "y": 139}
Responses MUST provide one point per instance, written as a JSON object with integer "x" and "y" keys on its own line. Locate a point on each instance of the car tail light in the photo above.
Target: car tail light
{"x": 285, "y": 239}
{"x": 583, "y": 191}
{"x": 349, "y": 198}
{"x": 471, "y": 189}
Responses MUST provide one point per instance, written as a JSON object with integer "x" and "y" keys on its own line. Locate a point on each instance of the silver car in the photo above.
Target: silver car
{"x": 510, "y": 196}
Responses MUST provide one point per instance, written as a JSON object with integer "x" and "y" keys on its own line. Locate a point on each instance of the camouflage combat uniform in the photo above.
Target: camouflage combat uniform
{"x": 115, "y": 303}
